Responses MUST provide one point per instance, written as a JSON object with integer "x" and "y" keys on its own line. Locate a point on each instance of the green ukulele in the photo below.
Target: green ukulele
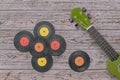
{"x": 113, "y": 65}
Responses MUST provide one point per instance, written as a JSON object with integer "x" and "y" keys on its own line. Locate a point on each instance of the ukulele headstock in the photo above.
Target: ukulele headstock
{"x": 80, "y": 18}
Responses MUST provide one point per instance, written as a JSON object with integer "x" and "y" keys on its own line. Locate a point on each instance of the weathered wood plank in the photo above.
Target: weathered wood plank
{"x": 55, "y": 74}
{"x": 71, "y": 1}
{"x": 74, "y": 41}
{"x": 13, "y": 59}
{"x": 28, "y": 19}
{"x": 103, "y": 5}
{"x": 16, "y": 15}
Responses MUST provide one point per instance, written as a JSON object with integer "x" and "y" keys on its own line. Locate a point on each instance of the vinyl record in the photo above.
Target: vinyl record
{"x": 43, "y": 63}
{"x": 79, "y": 61}
{"x": 39, "y": 47}
{"x": 57, "y": 45}
{"x": 44, "y": 29}
{"x": 22, "y": 41}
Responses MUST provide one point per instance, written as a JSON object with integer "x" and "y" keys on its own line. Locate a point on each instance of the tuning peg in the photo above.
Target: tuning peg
{"x": 71, "y": 20}
{"x": 84, "y": 9}
{"x": 77, "y": 26}
{"x": 89, "y": 16}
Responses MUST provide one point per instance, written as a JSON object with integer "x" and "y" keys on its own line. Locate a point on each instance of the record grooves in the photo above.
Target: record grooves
{"x": 79, "y": 61}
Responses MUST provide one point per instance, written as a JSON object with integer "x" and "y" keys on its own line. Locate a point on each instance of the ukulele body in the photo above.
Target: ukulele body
{"x": 114, "y": 67}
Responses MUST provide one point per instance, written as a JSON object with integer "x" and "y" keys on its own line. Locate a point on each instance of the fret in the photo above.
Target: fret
{"x": 107, "y": 48}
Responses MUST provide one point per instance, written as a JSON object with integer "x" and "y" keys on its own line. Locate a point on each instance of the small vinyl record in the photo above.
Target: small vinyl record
{"x": 57, "y": 45}
{"x": 79, "y": 61}
{"x": 22, "y": 41}
{"x": 44, "y": 29}
{"x": 43, "y": 63}
{"x": 39, "y": 47}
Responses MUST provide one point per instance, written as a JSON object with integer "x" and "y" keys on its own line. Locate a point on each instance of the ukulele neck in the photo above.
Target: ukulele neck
{"x": 105, "y": 46}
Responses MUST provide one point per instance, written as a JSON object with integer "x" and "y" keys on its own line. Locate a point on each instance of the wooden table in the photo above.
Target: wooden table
{"x": 17, "y": 15}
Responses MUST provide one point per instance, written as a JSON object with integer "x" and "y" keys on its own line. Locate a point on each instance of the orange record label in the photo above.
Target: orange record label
{"x": 79, "y": 61}
{"x": 39, "y": 47}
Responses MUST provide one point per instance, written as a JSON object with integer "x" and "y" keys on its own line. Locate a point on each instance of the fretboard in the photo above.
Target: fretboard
{"x": 106, "y": 47}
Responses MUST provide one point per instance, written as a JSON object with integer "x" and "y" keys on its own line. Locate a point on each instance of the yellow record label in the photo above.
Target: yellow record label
{"x": 44, "y": 31}
{"x": 42, "y": 61}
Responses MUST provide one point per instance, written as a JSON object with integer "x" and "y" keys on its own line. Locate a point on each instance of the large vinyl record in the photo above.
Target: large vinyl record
{"x": 43, "y": 63}
{"x": 79, "y": 61}
{"x": 22, "y": 41}
{"x": 57, "y": 45}
{"x": 44, "y": 29}
{"x": 39, "y": 47}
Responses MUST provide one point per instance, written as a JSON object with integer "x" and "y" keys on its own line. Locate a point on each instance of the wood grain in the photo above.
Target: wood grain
{"x": 17, "y": 15}
{"x": 55, "y": 74}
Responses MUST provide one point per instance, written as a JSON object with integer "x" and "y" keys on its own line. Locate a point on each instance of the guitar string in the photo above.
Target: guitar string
{"x": 103, "y": 48}
{"x": 113, "y": 50}
{"x": 110, "y": 50}
{"x": 91, "y": 33}
{"x": 85, "y": 18}
{"x": 82, "y": 14}
{"x": 84, "y": 24}
{"x": 102, "y": 44}
{"x": 117, "y": 62}
{"x": 80, "y": 21}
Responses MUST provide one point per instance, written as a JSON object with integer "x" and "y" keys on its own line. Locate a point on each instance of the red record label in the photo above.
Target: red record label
{"x": 55, "y": 45}
{"x": 24, "y": 41}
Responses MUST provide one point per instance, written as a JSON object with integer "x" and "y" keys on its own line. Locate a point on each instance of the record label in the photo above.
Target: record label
{"x": 39, "y": 47}
{"x": 44, "y": 31}
{"x": 24, "y": 41}
{"x": 55, "y": 45}
{"x": 42, "y": 61}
